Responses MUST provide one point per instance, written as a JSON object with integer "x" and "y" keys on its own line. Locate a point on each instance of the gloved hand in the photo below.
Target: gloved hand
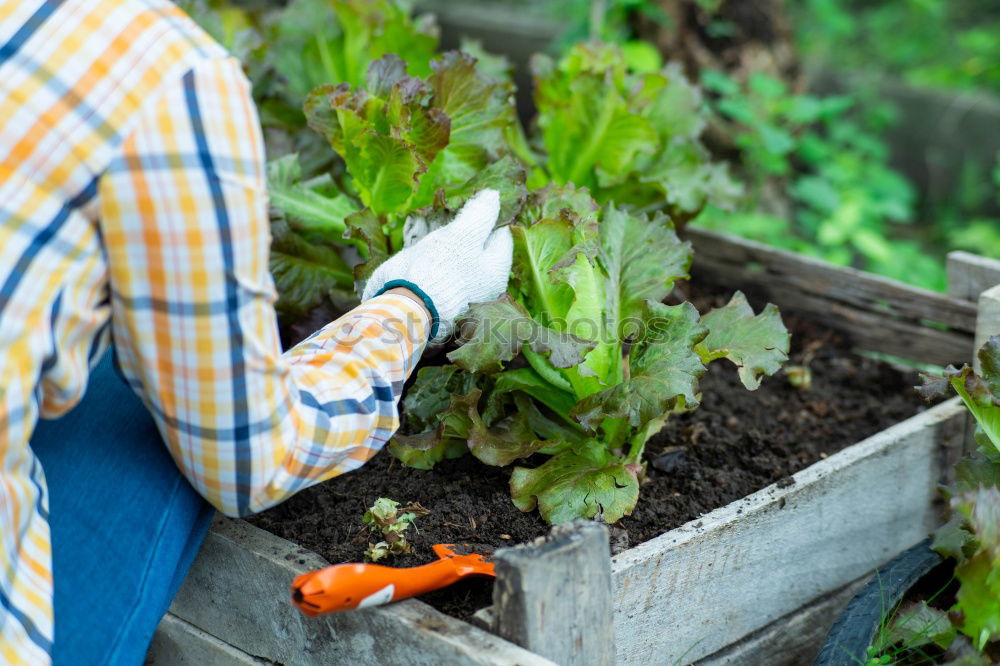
{"x": 463, "y": 262}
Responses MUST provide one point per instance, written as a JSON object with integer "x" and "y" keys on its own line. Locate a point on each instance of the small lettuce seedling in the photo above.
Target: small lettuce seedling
{"x": 972, "y": 536}
{"x": 385, "y": 519}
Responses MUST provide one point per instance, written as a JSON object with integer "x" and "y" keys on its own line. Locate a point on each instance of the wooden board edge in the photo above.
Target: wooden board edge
{"x": 761, "y": 500}
{"x": 791, "y": 640}
{"x": 474, "y": 645}
{"x": 969, "y": 274}
{"x": 177, "y": 642}
{"x": 874, "y": 293}
{"x": 531, "y": 606}
{"x": 698, "y": 235}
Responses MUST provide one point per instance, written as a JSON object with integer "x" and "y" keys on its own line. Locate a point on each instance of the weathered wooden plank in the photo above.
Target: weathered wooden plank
{"x": 988, "y": 323}
{"x": 180, "y": 643}
{"x": 869, "y": 331}
{"x": 696, "y": 589}
{"x": 874, "y": 331}
{"x": 880, "y": 314}
{"x": 553, "y": 596}
{"x": 969, "y": 275}
{"x": 238, "y": 591}
{"x": 863, "y": 290}
{"x": 792, "y": 640}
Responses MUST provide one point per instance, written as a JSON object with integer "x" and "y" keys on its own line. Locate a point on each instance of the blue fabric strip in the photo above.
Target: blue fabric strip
{"x": 8, "y": 50}
{"x": 33, "y": 633}
{"x": 41, "y": 239}
{"x": 241, "y": 427}
{"x": 53, "y": 358}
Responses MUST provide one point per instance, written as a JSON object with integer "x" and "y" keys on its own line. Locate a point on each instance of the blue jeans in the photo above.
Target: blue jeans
{"x": 126, "y": 525}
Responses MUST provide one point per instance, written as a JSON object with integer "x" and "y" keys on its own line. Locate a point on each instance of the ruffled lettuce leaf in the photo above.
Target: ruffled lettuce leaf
{"x": 591, "y": 132}
{"x": 553, "y": 221}
{"x": 387, "y": 133}
{"x": 316, "y": 205}
{"x": 664, "y": 369}
{"x": 494, "y": 333}
{"x": 450, "y": 412}
{"x": 365, "y": 229}
{"x": 757, "y": 344}
{"x": 505, "y": 175}
{"x": 630, "y": 137}
{"x": 436, "y": 417}
{"x": 479, "y": 109}
{"x": 408, "y": 142}
{"x": 508, "y": 439}
{"x": 978, "y": 598}
{"x": 316, "y": 42}
{"x": 584, "y": 481}
{"x": 630, "y": 279}
{"x": 917, "y": 625}
{"x": 589, "y": 274}
{"x": 979, "y": 392}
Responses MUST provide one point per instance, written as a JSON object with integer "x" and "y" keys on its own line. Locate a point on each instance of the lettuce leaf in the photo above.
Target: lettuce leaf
{"x": 496, "y": 332}
{"x": 972, "y": 536}
{"x": 479, "y": 109}
{"x": 387, "y": 133}
{"x": 628, "y": 136}
{"x": 664, "y": 369}
{"x": 316, "y": 42}
{"x": 313, "y": 206}
{"x": 306, "y": 272}
{"x": 407, "y": 141}
{"x": 978, "y": 597}
{"x": 757, "y": 344}
{"x": 979, "y": 392}
{"x": 583, "y": 482}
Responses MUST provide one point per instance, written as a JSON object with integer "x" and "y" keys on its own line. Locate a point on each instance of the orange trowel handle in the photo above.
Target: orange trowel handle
{"x": 347, "y": 586}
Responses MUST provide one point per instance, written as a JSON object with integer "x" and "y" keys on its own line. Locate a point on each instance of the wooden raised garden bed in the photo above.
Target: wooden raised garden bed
{"x": 756, "y": 581}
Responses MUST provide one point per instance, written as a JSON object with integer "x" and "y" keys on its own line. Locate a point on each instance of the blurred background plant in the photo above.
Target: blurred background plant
{"x": 950, "y": 46}
{"x": 939, "y": 43}
{"x": 818, "y": 179}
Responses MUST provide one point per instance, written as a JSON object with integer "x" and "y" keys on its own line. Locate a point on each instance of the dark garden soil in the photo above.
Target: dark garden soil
{"x": 736, "y": 443}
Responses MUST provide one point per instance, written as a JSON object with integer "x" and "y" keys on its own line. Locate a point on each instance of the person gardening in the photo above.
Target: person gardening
{"x": 133, "y": 211}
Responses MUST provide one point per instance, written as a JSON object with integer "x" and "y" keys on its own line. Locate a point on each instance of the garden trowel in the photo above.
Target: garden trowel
{"x": 343, "y": 587}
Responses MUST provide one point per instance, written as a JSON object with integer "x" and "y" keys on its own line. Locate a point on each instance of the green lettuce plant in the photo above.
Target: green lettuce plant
{"x": 581, "y": 362}
{"x": 287, "y": 50}
{"x": 631, "y": 137}
{"x": 410, "y": 147}
{"x": 972, "y": 537}
{"x": 333, "y": 41}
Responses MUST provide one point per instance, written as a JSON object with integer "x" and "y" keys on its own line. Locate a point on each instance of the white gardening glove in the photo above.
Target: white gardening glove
{"x": 465, "y": 261}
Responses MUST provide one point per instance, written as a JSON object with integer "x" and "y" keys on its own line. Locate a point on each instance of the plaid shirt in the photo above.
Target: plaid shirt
{"x": 133, "y": 206}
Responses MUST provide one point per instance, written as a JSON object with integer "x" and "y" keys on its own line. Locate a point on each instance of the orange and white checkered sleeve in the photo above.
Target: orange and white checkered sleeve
{"x": 183, "y": 211}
